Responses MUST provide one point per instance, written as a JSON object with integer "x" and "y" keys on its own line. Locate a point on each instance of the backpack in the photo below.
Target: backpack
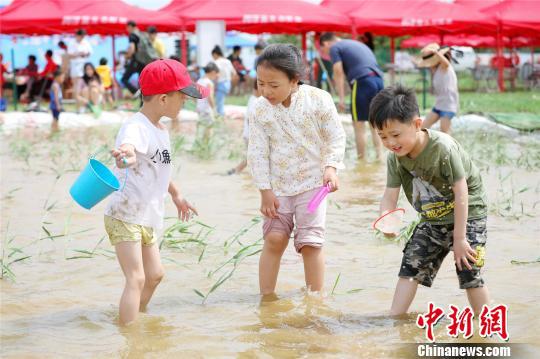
{"x": 145, "y": 50}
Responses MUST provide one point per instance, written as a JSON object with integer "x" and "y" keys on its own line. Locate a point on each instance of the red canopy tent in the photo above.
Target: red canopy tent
{"x": 109, "y": 17}
{"x": 516, "y": 17}
{"x": 407, "y": 17}
{"x": 257, "y": 16}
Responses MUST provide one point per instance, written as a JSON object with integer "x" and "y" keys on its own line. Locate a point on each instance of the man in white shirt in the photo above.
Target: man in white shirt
{"x": 79, "y": 52}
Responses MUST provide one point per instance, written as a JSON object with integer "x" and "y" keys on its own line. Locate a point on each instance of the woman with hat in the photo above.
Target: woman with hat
{"x": 445, "y": 85}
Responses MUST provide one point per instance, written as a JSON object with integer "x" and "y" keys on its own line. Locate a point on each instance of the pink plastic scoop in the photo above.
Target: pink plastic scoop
{"x": 318, "y": 198}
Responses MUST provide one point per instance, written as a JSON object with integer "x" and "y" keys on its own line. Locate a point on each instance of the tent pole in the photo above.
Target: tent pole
{"x": 393, "y": 60}
{"x": 424, "y": 87}
{"x": 114, "y": 56}
{"x": 184, "y": 45}
{"x": 304, "y": 45}
{"x": 14, "y": 84}
{"x": 500, "y": 57}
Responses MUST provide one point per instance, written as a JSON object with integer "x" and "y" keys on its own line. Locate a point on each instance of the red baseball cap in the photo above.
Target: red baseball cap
{"x": 166, "y": 75}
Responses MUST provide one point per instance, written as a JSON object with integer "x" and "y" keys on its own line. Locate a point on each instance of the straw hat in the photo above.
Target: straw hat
{"x": 427, "y": 56}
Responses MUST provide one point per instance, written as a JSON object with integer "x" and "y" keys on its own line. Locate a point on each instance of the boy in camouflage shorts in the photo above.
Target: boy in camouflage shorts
{"x": 444, "y": 186}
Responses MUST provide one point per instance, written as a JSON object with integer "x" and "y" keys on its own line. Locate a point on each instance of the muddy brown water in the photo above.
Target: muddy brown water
{"x": 64, "y": 308}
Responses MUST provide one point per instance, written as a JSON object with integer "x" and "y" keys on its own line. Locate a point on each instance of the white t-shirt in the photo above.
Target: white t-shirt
{"x": 77, "y": 64}
{"x": 226, "y": 69}
{"x": 142, "y": 199}
{"x": 203, "y": 106}
{"x": 445, "y": 87}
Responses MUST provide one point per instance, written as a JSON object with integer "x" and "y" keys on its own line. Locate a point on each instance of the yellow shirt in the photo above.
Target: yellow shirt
{"x": 104, "y": 73}
{"x": 159, "y": 47}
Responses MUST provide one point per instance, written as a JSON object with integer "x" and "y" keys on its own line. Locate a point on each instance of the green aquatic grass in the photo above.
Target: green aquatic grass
{"x": 95, "y": 251}
{"x": 514, "y": 261}
{"x": 227, "y": 268}
{"x": 10, "y": 255}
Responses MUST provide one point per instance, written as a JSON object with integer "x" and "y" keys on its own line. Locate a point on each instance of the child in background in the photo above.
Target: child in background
{"x": 134, "y": 215}
{"x": 104, "y": 72}
{"x": 442, "y": 183}
{"x": 206, "y": 107}
{"x": 55, "y": 94}
{"x": 91, "y": 90}
{"x": 445, "y": 85}
{"x": 245, "y": 132}
{"x": 296, "y": 145}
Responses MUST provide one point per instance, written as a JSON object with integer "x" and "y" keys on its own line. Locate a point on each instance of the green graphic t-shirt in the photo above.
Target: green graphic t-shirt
{"x": 427, "y": 180}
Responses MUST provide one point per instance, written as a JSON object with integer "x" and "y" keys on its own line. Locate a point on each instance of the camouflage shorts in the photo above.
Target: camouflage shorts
{"x": 429, "y": 245}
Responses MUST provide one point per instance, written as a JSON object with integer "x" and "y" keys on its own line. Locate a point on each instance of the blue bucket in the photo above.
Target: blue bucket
{"x": 94, "y": 183}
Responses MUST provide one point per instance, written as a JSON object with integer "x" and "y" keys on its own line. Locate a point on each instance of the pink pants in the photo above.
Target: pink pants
{"x": 310, "y": 227}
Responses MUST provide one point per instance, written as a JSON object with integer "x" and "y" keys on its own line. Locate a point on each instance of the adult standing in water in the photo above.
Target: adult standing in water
{"x": 356, "y": 61}
{"x": 226, "y": 74}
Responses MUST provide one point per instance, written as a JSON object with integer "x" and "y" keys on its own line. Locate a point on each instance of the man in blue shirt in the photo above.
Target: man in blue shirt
{"x": 355, "y": 61}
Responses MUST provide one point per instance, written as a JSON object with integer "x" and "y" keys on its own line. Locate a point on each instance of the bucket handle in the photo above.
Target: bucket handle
{"x": 124, "y": 161}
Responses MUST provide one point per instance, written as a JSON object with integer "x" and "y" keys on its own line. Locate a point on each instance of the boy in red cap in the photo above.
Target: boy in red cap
{"x": 134, "y": 215}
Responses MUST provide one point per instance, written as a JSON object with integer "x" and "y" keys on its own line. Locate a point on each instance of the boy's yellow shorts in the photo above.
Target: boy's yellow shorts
{"x": 120, "y": 231}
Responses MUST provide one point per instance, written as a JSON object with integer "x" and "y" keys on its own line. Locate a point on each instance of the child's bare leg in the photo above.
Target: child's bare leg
{"x": 445, "y": 124}
{"x": 54, "y": 126}
{"x": 275, "y": 244}
{"x": 313, "y": 267}
{"x": 94, "y": 95}
{"x": 83, "y": 97}
{"x": 403, "y": 296}
{"x": 430, "y": 120}
{"x": 477, "y": 298}
{"x": 153, "y": 273}
{"x": 130, "y": 259}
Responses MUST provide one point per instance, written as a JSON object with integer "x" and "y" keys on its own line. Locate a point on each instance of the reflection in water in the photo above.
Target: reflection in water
{"x": 305, "y": 323}
{"x": 149, "y": 334}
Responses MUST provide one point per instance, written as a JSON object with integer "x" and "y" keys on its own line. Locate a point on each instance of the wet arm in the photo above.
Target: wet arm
{"x": 339, "y": 77}
{"x": 389, "y": 200}
{"x": 461, "y": 209}
{"x": 174, "y": 191}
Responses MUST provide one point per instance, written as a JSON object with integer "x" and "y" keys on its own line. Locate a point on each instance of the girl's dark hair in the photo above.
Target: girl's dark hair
{"x": 394, "y": 103}
{"x": 285, "y": 58}
{"x": 217, "y": 50}
{"x": 87, "y": 78}
{"x": 210, "y": 67}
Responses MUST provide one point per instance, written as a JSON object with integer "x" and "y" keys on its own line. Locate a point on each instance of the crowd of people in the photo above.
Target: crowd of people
{"x": 93, "y": 86}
